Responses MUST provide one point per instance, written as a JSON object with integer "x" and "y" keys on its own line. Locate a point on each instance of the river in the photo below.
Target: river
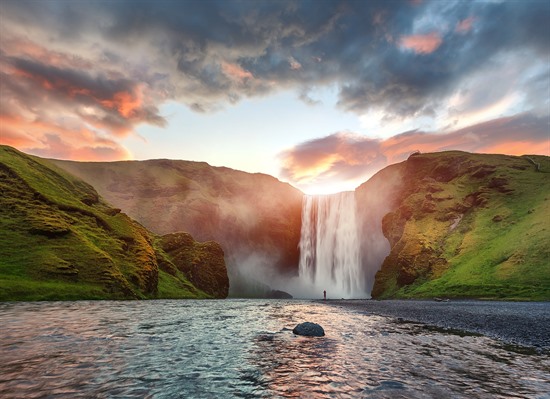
{"x": 246, "y": 349}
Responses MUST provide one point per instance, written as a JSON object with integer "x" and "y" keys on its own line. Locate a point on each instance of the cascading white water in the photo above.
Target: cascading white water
{"x": 329, "y": 246}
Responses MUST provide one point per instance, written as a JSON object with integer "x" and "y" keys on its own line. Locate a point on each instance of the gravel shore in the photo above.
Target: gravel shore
{"x": 521, "y": 323}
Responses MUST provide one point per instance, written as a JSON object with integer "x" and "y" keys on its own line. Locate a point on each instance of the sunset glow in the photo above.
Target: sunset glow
{"x": 422, "y": 44}
{"x": 322, "y": 101}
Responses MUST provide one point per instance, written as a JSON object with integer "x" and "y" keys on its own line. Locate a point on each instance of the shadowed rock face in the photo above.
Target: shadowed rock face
{"x": 467, "y": 225}
{"x": 202, "y": 263}
{"x": 255, "y": 217}
{"x": 374, "y": 199}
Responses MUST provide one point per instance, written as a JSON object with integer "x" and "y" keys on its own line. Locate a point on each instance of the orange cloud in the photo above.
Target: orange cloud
{"x": 50, "y": 87}
{"x": 294, "y": 65}
{"x": 421, "y": 44}
{"x": 465, "y": 25}
{"x": 56, "y": 146}
{"x": 125, "y": 102}
{"x": 520, "y": 147}
{"x": 352, "y": 158}
{"x": 236, "y": 72}
{"x": 56, "y": 141}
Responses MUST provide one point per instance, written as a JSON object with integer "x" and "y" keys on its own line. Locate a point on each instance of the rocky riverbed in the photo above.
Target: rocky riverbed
{"x": 521, "y": 323}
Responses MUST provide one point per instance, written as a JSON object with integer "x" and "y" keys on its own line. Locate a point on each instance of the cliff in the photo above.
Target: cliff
{"x": 255, "y": 217}
{"x": 467, "y": 225}
{"x": 202, "y": 263}
{"x": 60, "y": 240}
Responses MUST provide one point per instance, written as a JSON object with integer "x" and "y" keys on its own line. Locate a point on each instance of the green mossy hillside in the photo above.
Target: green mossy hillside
{"x": 202, "y": 263}
{"x": 60, "y": 241}
{"x": 469, "y": 225}
{"x": 246, "y": 213}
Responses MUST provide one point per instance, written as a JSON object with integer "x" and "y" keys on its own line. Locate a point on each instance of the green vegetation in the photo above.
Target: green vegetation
{"x": 469, "y": 225}
{"x": 202, "y": 263}
{"x": 60, "y": 241}
{"x": 246, "y": 213}
{"x": 461, "y": 225}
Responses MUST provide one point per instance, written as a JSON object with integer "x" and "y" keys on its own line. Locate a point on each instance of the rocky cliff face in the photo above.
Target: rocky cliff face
{"x": 202, "y": 263}
{"x": 468, "y": 225}
{"x": 255, "y": 217}
{"x": 375, "y": 198}
{"x": 60, "y": 240}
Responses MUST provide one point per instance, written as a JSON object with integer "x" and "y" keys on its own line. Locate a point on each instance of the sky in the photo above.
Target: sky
{"x": 321, "y": 94}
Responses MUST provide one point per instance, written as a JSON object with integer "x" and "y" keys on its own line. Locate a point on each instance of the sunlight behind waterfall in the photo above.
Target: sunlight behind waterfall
{"x": 330, "y": 187}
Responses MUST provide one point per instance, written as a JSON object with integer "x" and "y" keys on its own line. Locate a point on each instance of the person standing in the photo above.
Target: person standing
{"x": 325, "y": 294}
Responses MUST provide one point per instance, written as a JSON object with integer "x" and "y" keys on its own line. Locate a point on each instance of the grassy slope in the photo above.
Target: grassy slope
{"x": 246, "y": 213}
{"x": 60, "y": 241}
{"x": 499, "y": 249}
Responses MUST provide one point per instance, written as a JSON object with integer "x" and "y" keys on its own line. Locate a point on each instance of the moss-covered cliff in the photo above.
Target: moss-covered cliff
{"x": 202, "y": 263}
{"x": 60, "y": 240}
{"x": 468, "y": 225}
{"x": 255, "y": 217}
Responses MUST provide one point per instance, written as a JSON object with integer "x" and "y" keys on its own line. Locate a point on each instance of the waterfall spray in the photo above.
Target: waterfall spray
{"x": 329, "y": 246}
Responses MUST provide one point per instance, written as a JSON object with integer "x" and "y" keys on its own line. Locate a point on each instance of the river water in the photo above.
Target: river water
{"x": 246, "y": 349}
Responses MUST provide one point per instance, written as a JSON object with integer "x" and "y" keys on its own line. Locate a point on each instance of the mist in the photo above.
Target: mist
{"x": 254, "y": 274}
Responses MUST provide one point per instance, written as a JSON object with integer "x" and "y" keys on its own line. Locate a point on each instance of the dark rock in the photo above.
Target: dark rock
{"x": 90, "y": 199}
{"x": 277, "y": 294}
{"x": 202, "y": 262}
{"x": 499, "y": 184}
{"x": 113, "y": 211}
{"x": 483, "y": 172}
{"x": 309, "y": 330}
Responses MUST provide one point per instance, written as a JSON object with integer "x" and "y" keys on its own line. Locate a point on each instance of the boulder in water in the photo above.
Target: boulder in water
{"x": 309, "y": 330}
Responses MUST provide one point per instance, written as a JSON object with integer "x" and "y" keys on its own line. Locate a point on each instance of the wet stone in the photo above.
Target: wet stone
{"x": 309, "y": 330}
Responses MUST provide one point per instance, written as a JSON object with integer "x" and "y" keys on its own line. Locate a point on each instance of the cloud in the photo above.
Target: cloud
{"x": 465, "y": 25}
{"x": 59, "y": 140}
{"x": 113, "y": 102}
{"x": 350, "y": 159}
{"x": 96, "y": 150}
{"x": 421, "y": 44}
{"x": 113, "y": 64}
{"x": 234, "y": 71}
{"x": 61, "y": 106}
{"x": 202, "y": 53}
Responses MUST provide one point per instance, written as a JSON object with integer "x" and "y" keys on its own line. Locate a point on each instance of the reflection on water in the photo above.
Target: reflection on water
{"x": 246, "y": 349}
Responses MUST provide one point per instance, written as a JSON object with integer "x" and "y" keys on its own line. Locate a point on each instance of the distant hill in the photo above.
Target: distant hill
{"x": 449, "y": 224}
{"x": 255, "y": 217}
{"x": 466, "y": 225}
{"x": 60, "y": 240}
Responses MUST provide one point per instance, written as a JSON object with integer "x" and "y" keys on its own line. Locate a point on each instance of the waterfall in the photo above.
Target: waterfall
{"x": 329, "y": 246}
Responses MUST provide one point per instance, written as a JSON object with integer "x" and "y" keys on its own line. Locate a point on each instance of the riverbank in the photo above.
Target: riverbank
{"x": 520, "y": 323}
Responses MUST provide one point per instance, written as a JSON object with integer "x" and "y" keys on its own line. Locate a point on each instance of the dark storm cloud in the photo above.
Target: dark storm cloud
{"x": 125, "y": 58}
{"x": 355, "y": 44}
{"x": 116, "y": 101}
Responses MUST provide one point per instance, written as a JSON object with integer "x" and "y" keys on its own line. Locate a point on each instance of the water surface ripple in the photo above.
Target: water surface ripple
{"x": 246, "y": 349}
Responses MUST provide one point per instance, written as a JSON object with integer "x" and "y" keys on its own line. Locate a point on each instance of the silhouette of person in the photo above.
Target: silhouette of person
{"x": 325, "y": 294}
